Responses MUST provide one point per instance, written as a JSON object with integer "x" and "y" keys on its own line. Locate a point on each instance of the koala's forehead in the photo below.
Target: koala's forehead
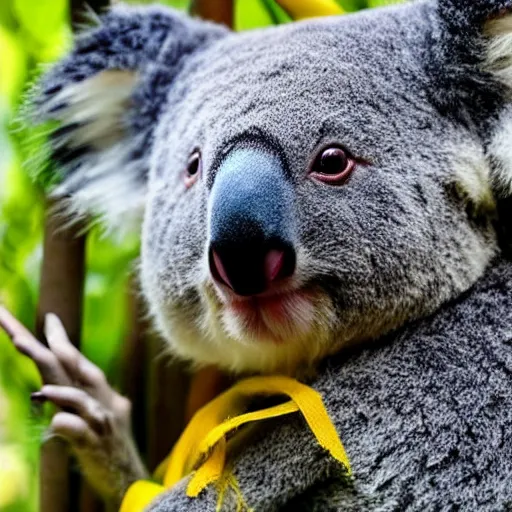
{"x": 358, "y": 77}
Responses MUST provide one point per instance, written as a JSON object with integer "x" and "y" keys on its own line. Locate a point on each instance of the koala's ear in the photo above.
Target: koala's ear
{"x": 472, "y": 70}
{"x": 471, "y": 54}
{"x": 467, "y": 13}
{"x": 107, "y": 96}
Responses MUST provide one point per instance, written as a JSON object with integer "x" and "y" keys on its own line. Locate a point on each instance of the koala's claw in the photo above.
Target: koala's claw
{"x": 94, "y": 415}
{"x": 75, "y": 430}
{"x": 94, "y": 418}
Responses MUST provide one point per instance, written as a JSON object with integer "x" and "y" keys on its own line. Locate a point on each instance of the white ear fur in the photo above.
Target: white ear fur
{"x": 500, "y": 150}
{"x": 498, "y": 58}
{"x": 498, "y": 61}
{"x": 473, "y": 174}
{"x": 104, "y": 178}
{"x": 98, "y": 104}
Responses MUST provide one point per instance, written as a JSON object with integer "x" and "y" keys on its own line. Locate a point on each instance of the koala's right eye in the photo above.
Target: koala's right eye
{"x": 194, "y": 167}
{"x": 332, "y": 166}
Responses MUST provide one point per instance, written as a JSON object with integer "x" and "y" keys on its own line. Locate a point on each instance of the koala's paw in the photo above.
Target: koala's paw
{"x": 93, "y": 417}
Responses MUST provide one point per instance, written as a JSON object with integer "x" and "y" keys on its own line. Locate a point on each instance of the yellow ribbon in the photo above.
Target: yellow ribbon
{"x": 301, "y": 9}
{"x": 201, "y": 450}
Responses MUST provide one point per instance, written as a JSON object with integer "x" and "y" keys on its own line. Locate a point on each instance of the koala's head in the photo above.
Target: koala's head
{"x": 304, "y": 187}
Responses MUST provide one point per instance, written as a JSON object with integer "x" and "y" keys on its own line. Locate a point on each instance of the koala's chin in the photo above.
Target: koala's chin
{"x": 278, "y": 332}
{"x": 281, "y": 333}
{"x": 273, "y": 318}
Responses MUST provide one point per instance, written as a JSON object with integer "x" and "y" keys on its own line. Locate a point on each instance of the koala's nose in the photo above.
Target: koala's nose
{"x": 251, "y": 222}
{"x": 249, "y": 272}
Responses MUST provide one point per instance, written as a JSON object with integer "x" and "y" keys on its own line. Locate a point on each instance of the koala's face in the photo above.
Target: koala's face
{"x": 305, "y": 194}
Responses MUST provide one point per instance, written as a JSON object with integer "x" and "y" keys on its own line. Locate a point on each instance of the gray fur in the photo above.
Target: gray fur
{"x": 425, "y": 417}
{"x": 397, "y": 241}
{"x": 416, "y": 94}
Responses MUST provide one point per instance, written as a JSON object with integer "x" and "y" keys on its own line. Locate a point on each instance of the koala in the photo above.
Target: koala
{"x": 332, "y": 194}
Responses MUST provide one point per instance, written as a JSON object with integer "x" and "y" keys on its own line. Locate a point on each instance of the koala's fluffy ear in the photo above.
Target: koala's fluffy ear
{"x": 472, "y": 71}
{"x": 471, "y": 45}
{"x": 106, "y": 97}
{"x": 465, "y": 13}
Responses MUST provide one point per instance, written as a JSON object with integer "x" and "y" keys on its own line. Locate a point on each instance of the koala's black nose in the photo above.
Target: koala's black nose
{"x": 251, "y": 222}
{"x": 249, "y": 270}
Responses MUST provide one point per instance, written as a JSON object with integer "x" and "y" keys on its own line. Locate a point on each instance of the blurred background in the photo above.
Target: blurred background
{"x": 33, "y": 33}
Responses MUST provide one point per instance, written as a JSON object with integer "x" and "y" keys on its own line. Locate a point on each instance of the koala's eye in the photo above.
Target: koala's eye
{"x": 194, "y": 166}
{"x": 333, "y": 166}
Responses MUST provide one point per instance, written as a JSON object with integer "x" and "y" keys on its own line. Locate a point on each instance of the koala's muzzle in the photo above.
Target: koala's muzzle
{"x": 251, "y": 222}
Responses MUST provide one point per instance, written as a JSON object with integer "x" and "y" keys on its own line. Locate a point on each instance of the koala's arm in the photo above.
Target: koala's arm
{"x": 93, "y": 418}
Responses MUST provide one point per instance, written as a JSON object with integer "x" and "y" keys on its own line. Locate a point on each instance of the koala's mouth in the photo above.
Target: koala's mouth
{"x": 276, "y": 318}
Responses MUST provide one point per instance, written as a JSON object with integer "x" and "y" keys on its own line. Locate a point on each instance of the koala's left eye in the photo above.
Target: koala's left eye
{"x": 194, "y": 167}
{"x": 333, "y": 166}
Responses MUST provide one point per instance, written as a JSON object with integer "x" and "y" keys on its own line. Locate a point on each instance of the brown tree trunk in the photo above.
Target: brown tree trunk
{"x": 220, "y": 11}
{"x": 61, "y": 292}
{"x": 88, "y": 501}
{"x": 166, "y": 390}
{"x": 134, "y": 363}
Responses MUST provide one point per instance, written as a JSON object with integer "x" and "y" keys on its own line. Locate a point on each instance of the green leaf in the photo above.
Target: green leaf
{"x": 41, "y": 18}
{"x": 277, "y": 13}
{"x": 251, "y": 14}
{"x": 381, "y": 3}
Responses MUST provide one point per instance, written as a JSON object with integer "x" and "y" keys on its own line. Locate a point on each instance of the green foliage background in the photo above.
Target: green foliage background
{"x": 34, "y": 33}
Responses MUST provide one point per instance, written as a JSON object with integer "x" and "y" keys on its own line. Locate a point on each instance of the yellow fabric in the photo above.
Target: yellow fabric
{"x": 140, "y": 495}
{"x": 301, "y": 9}
{"x": 209, "y": 471}
{"x": 201, "y": 449}
{"x": 229, "y": 482}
